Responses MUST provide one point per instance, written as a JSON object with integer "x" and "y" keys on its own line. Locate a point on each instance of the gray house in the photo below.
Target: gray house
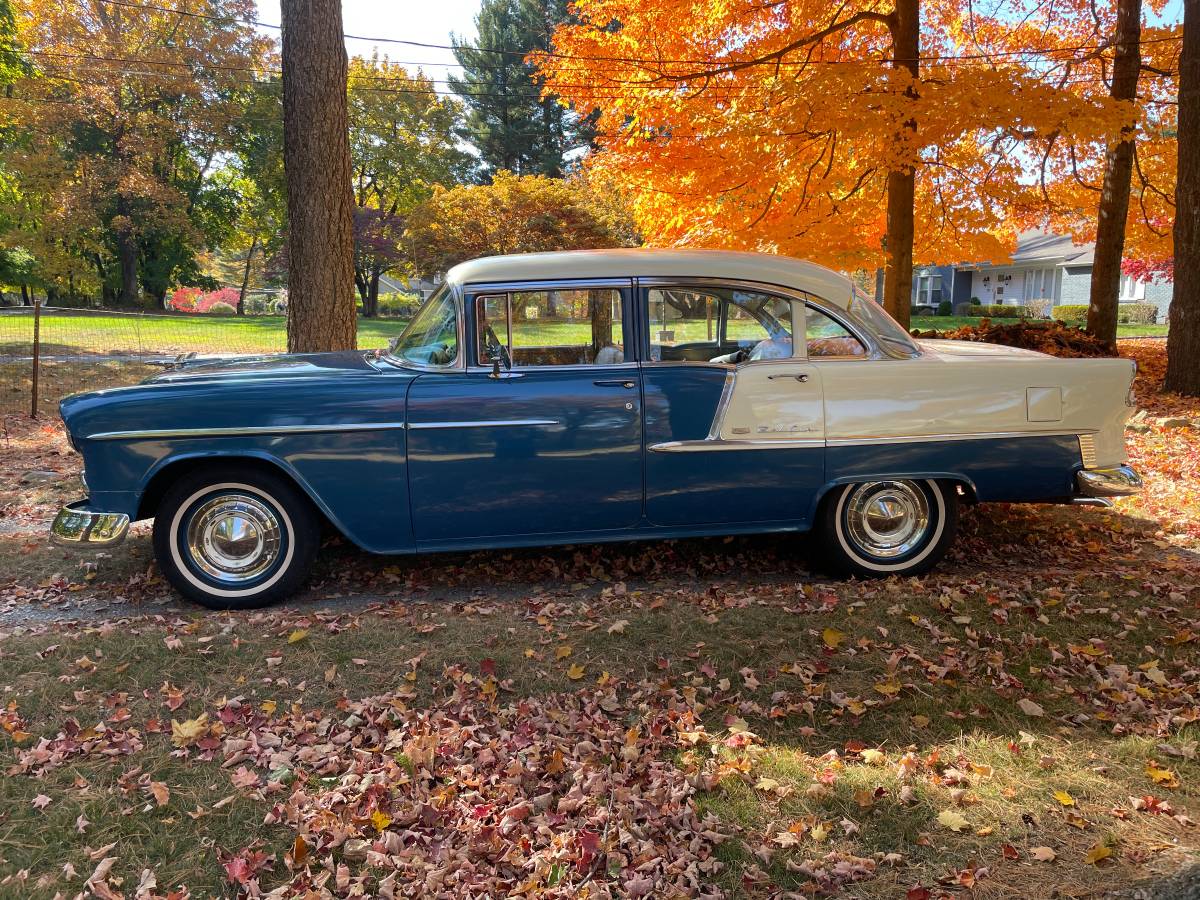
{"x": 1043, "y": 266}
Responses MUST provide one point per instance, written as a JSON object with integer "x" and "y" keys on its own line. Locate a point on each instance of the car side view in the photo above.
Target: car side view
{"x": 593, "y": 396}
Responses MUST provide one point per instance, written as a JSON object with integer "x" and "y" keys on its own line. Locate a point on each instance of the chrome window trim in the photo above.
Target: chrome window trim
{"x": 460, "y": 335}
{"x": 835, "y": 312}
{"x": 508, "y": 288}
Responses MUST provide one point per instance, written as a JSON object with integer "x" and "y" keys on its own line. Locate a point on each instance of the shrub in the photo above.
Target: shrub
{"x": 256, "y": 306}
{"x": 1070, "y": 313}
{"x": 279, "y": 308}
{"x": 945, "y": 308}
{"x": 220, "y": 308}
{"x": 1137, "y": 313}
{"x": 1002, "y": 311}
{"x": 399, "y": 304}
{"x": 1040, "y": 308}
{"x": 975, "y": 301}
{"x": 184, "y": 299}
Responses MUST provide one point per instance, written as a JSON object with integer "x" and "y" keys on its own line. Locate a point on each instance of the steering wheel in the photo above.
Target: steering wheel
{"x": 493, "y": 345}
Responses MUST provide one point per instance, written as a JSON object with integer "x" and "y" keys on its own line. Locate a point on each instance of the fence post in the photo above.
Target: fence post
{"x": 37, "y": 338}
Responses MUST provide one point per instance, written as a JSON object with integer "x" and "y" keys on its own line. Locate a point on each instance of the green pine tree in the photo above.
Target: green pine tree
{"x": 507, "y": 121}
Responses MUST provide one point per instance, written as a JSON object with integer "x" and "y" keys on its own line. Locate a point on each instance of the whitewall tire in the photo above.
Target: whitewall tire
{"x": 231, "y": 538}
{"x": 874, "y": 529}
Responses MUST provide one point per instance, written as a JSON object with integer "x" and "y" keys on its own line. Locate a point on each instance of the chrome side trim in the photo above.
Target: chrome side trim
{"x": 241, "y": 431}
{"x": 867, "y": 440}
{"x": 75, "y": 527}
{"x": 714, "y": 442}
{"x": 709, "y": 445}
{"x": 484, "y": 423}
{"x": 1116, "y": 481}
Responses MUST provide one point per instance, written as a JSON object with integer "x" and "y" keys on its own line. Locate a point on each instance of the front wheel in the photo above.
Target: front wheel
{"x": 880, "y": 528}
{"x": 229, "y": 538}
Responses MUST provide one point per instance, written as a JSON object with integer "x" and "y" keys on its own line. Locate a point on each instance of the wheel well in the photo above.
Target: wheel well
{"x": 963, "y": 489}
{"x": 172, "y": 472}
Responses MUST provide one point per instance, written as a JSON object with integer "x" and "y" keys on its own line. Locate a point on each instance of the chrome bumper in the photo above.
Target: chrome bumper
{"x": 1116, "y": 481}
{"x": 78, "y": 527}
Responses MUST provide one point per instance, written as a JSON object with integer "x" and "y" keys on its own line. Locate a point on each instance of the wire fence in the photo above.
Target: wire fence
{"x": 47, "y": 353}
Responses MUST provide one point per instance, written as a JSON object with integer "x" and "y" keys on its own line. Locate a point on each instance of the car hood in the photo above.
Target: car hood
{"x": 939, "y": 347}
{"x": 277, "y": 365}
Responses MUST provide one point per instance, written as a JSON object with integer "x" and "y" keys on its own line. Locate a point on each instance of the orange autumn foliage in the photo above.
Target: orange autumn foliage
{"x": 773, "y": 126}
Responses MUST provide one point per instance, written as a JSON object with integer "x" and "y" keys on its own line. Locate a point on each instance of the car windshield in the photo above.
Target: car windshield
{"x": 883, "y": 326}
{"x": 431, "y": 338}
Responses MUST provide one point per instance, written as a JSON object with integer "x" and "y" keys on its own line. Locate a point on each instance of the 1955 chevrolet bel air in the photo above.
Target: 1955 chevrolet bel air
{"x": 595, "y": 396}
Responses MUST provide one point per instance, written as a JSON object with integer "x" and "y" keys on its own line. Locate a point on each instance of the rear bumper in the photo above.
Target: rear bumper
{"x": 77, "y": 526}
{"x": 1115, "y": 481}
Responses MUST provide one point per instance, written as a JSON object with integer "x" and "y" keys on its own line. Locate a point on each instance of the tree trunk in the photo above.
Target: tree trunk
{"x": 241, "y": 306}
{"x": 902, "y": 182}
{"x": 602, "y": 320}
{"x": 127, "y": 256}
{"x": 1118, "y": 170}
{"x": 25, "y": 301}
{"x": 363, "y": 286}
{"x": 1183, "y": 338}
{"x": 316, "y": 157}
{"x": 373, "y": 296}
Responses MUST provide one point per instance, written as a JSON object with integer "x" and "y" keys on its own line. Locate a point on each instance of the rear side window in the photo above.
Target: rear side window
{"x": 826, "y": 337}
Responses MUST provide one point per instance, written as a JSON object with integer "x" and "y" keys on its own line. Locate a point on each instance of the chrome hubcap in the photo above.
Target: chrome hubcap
{"x": 887, "y": 518}
{"x": 234, "y": 538}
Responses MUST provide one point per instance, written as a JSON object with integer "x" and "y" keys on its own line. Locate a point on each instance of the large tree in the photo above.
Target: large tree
{"x": 511, "y": 215}
{"x": 117, "y": 125}
{"x": 1183, "y": 340}
{"x": 511, "y": 125}
{"x": 402, "y": 144}
{"x": 821, "y": 131}
{"x": 316, "y": 156}
{"x": 1113, "y": 208}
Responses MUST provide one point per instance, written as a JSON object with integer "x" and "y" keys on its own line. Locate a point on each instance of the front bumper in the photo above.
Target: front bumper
{"x": 75, "y": 526}
{"x": 1114, "y": 481}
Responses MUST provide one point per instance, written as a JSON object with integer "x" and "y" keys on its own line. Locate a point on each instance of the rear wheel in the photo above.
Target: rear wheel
{"x": 880, "y": 528}
{"x": 235, "y": 539}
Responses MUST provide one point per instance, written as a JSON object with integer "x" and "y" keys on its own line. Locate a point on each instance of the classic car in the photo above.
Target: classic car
{"x": 595, "y": 396}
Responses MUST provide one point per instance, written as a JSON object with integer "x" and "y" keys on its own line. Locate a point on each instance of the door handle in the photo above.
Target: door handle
{"x": 802, "y": 377}
{"x": 628, "y": 385}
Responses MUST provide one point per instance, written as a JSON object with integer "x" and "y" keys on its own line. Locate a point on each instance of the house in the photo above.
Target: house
{"x": 395, "y": 284}
{"x": 1043, "y": 267}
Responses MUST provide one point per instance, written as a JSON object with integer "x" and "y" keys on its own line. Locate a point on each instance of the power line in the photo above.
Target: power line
{"x": 634, "y": 60}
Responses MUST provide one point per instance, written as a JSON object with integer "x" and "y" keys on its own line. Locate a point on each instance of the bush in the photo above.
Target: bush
{"x": 400, "y": 305}
{"x": 220, "y": 308}
{"x": 279, "y": 308}
{"x": 1070, "y": 313}
{"x": 1002, "y": 311}
{"x": 1137, "y": 313}
{"x": 945, "y": 308}
{"x": 256, "y": 306}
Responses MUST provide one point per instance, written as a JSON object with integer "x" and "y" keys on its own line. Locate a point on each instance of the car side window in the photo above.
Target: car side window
{"x": 552, "y": 327}
{"x": 826, "y": 337}
{"x": 722, "y": 325}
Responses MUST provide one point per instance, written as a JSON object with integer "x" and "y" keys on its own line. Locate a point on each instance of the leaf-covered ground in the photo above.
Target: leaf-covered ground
{"x": 693, "y": 718}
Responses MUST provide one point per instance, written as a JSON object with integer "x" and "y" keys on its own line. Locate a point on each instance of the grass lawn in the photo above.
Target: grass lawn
{"x": 87, "y": 332}
{"x": 689, "y": 718}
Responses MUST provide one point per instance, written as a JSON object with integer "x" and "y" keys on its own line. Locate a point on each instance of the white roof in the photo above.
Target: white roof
{"x": 767, "y": 268}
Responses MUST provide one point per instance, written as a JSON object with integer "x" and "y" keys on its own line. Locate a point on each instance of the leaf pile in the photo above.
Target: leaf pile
{"x": 1054, "y": 338}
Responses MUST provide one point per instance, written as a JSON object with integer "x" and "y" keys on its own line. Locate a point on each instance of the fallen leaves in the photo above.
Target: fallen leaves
{"x": 189, "y": 730}
{"x": 955, "y": 821}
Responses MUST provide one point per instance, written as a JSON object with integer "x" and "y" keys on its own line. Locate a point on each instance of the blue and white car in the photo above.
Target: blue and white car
{"x": 595, "y": 396}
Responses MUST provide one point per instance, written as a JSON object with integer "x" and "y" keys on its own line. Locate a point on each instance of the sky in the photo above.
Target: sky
{"x": 424, "y": 21}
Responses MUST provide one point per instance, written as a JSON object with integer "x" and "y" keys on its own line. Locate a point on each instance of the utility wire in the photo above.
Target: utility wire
{"x": 634, "y": 60}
